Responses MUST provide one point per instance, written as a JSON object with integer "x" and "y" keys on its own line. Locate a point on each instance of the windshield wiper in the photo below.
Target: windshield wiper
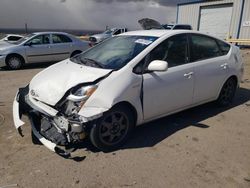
{"x": 91, "y": 62}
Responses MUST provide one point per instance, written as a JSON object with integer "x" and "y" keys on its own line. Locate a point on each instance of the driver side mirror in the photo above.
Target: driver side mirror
{"x": 158, "y": 65}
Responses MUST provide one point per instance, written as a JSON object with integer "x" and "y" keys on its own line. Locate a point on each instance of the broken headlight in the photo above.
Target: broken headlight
{"x": 82, "y": 94}
{"x": 77, "y": 99}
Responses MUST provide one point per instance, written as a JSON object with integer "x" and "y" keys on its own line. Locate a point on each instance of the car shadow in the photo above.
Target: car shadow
{"x": 152, "y": 133}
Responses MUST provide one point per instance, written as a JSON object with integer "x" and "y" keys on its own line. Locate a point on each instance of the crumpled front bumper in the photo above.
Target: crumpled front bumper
{"x": 20, "y": 107}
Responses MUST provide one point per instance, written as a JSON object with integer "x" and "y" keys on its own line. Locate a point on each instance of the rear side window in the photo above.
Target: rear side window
{"x": 224, "y": 47}
{"x": 203, "y": 47}
{"x": 57, "y": 38}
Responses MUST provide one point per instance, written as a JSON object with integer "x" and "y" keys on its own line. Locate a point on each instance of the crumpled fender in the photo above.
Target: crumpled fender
{"x": 126, "y": 88}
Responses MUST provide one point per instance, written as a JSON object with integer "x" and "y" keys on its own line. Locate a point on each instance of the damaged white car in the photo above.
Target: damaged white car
{"x": 127, "y": 80}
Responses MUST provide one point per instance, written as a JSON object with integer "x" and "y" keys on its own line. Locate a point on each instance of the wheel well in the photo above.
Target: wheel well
{"x": 75, "y": 52}
{"x": 14, "y": 54}
{"x": 130, "y": 106}
{"x": 234, "y": 78}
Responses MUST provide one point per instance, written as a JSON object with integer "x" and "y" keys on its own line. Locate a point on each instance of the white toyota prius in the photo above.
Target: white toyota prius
{"x": 125, "y": 81}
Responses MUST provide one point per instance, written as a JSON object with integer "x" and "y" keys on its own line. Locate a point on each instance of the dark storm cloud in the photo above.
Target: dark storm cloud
{"x": 84, "y": 14}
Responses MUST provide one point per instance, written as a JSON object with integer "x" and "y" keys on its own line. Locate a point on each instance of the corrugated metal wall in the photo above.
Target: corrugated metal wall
{"x": 245, "y": 31}
{"x": 190, "y": 14}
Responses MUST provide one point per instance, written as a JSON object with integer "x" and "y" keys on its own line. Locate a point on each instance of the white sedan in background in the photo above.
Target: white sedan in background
{"x": 40, "y": 47}
{"x": 127, "y": 80}
{"x": 11, "y": 37}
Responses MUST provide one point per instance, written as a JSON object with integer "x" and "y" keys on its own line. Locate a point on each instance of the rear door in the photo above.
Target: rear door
{"x": 38, "y": 49}
{"x": 165, "y": 92}
{"x": 210, "y": 67}
{"x": 62, "y": 46}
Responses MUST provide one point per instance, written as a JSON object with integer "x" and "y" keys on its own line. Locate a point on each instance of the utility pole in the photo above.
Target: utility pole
{"x": 26, "y": 28}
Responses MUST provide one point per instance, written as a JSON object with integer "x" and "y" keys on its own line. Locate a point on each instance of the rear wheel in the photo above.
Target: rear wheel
{"x": 113, "y": 129}
{"x": 227, "y": 92}
{"x": 14, "y": 62}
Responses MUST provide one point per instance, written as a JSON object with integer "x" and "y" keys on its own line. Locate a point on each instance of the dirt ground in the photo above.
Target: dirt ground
{"x": 202, "y": 147}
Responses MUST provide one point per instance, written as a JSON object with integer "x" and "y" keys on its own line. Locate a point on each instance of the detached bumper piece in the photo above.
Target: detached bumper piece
{"x": 42, "y": 128}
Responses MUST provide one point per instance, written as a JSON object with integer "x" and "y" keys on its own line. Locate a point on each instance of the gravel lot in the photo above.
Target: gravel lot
{"x": 201, "y": 147}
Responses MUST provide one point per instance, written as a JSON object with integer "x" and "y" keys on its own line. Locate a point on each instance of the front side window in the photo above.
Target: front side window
{"x": 57, "y": 38}
{"x": 114, "y": 53}
{"x": 119, "y": 31}
{"x": 174, "y": 50}
{"x": 40, "y": 39}
{"x": 203, "y": 47}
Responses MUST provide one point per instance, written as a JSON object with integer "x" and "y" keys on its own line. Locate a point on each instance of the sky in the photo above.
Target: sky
{"x": 84, "y": 14}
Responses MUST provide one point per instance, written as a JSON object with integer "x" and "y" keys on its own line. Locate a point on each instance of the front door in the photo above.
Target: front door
{"x": 38, "y": 49}
{"x": 169, "y": 91}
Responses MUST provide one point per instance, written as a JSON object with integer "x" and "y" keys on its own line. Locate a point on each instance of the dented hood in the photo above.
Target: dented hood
{"x": 50, "y": 85}
{"x": 147, "y": 24}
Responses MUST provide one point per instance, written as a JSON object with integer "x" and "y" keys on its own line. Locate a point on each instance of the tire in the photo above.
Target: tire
{"x": 113, "y": 129}
{"x": 14, "y": 62}
{"x": 75, "y": 53}
{"x": 227, "y": 93}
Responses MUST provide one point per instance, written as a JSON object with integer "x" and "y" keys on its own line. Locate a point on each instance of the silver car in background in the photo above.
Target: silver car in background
{"x": 97, "y": 38}
{"x": 40, "y": 47}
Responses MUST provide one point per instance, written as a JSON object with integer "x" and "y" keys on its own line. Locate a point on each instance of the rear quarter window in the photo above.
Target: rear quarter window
{"x": 224, "y": 47}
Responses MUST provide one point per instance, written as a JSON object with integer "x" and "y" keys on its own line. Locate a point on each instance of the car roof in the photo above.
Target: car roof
{"x": 157, "y": 32}
{"x": 50, "y": 32}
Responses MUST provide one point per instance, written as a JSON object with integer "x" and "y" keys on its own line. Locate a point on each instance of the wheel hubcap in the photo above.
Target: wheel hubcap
{"x": 14, "y": 62}
{"x": 114, "y": 128}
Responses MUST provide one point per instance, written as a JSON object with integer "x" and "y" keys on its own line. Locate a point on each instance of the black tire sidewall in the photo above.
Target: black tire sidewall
{"x": 220, "y": 100}
{"x": 95, "y": 130}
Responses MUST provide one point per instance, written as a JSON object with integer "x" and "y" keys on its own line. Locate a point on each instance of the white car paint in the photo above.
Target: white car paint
{"x": 164, "y": 92}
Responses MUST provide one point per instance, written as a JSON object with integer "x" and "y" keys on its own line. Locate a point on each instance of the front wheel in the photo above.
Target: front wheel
{"x": 113, "y": 129}
{"x": 14, "y": 62}
{"x": 227, "y": 92}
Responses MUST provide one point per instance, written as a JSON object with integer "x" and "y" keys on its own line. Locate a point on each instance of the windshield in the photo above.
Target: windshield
{"x": 168, "y": 26}
{"x": 115, "y": 52}
{"x": 23, "y": 39}
{"x": 109, "y": 31}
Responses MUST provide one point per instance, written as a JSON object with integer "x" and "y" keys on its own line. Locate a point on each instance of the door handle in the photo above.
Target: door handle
{"x": 49, "y": 46}
{"x": 224, "y": 66}
{"x": 188, "y": 75}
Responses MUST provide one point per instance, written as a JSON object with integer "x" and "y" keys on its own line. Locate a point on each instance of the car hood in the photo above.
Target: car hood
{"x": 101, "y": 36}
{"x": 5, "y": 45}
{"x": 147, "y": 24}
{"x": 50, "y": 85}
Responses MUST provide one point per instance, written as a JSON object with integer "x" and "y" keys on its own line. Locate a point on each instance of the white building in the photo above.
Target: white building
{"x": 221, "y": 18}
